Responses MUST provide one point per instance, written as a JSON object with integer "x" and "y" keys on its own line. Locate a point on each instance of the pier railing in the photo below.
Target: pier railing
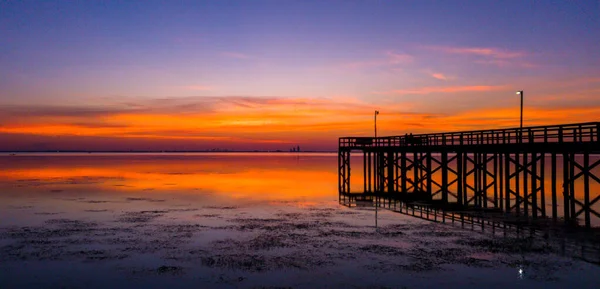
{"x": 567, "y": 133}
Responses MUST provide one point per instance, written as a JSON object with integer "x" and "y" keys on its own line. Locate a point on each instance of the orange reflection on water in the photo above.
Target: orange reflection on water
{"x": 253, "y": 176}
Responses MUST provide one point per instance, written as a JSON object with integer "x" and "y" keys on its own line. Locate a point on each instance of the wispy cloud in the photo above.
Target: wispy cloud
{"x": 439, "y": 76}
{"x": 362, "y": 64}
{"x": 236, "y": 55}
{"x": 480, "y": 51}
{"x": 198, "y": 87}
{"x": 399, "y": 58}
{"x": 443, "y": 89}
{"x": 389, "y": 59}
{"x": 488, "y": 55}
{"x": 506, "y": 63}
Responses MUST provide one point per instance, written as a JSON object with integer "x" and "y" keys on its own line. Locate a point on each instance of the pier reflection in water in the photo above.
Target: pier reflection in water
{"x": 570, "y": 241}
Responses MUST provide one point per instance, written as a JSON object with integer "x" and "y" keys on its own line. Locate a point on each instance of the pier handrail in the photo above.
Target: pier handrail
{"x": 564, "y": 133}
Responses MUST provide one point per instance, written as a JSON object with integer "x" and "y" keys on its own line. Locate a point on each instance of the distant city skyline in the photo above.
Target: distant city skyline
{"x": 269, "y": 75}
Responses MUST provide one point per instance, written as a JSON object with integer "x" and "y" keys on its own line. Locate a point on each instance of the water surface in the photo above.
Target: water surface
{"x": 237, "y": 220}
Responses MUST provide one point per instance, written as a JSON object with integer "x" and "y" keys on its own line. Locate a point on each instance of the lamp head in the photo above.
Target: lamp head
{"x": 377, "y": 112}
{"x": 519, "y": 92}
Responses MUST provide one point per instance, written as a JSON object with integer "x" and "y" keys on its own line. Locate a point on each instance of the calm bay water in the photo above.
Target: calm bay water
{"x": 236, "y": 220}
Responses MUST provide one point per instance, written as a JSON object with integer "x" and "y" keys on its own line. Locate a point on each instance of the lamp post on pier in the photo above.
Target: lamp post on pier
{"x": 376, "y": 113}
{"x": 376, "y": 199}
{"x": 520, "y": 92}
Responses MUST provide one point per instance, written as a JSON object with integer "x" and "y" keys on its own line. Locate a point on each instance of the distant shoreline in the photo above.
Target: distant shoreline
{"x": 155, "y": 152}
{"x": 16, "y": 153}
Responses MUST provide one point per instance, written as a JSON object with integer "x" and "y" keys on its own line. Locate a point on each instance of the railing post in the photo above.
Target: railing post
{"x": 560, "y": 134}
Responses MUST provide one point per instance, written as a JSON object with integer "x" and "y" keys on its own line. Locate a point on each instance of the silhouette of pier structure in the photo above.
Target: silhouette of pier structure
{"x": 535, "y": 174}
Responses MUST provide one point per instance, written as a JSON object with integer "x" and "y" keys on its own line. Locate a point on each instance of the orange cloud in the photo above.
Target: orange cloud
{"x": 439, "y": 76}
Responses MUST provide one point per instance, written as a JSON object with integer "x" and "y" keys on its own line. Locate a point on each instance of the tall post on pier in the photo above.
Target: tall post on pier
{"x": 377, "y": 168}
{"x": 520, "y": 92}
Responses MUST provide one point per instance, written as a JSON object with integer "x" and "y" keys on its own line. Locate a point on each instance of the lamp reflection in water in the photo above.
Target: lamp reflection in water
{"x": 521, "y": 273}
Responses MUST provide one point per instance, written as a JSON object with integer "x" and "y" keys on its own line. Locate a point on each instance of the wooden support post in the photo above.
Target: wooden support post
{"x": 459, "y": 177}
{"x": 553, "y": 184}
{"x": 534, "y": 203}
{"x": 340, "y": 172}
{"x": 495, "y": 180}
{"x": 517, "y": 183}
{"x": 500, "y": 179}
{"x": 526, "y": 195}
{"x": 348, "y": 172}
{"x": 376, "y": 171}
{"x": 572, "y": 186}
{"x": 365, "y": 171}
{"x": 383, "y": 171}
{"x": 428, "y": 170}
{"x": 444, "y": 168}
{"x": 476, "y": 184}
{"x": 397, "y": 174}
{"x": 542, "y": 188}
{"x": 369, "y": 162}
{"x": 566, "y": 194}
{"x": 421, "y": 173}
{"x": 403, "y": 170}
{"x": 586, "y": 189}
{"x": 416, "y": 164}
{"x": 507, "y": 182}
{"x": 391, "y": 164}
{"x": 484, "y": 185}
{"x": 382, "y": 167}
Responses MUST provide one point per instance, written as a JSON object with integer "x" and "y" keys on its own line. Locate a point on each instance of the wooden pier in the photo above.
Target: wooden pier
{"x": 534, "y": 173}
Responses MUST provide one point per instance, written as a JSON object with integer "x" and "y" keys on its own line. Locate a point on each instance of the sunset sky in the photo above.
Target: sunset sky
{"x": 244, "y": 75}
